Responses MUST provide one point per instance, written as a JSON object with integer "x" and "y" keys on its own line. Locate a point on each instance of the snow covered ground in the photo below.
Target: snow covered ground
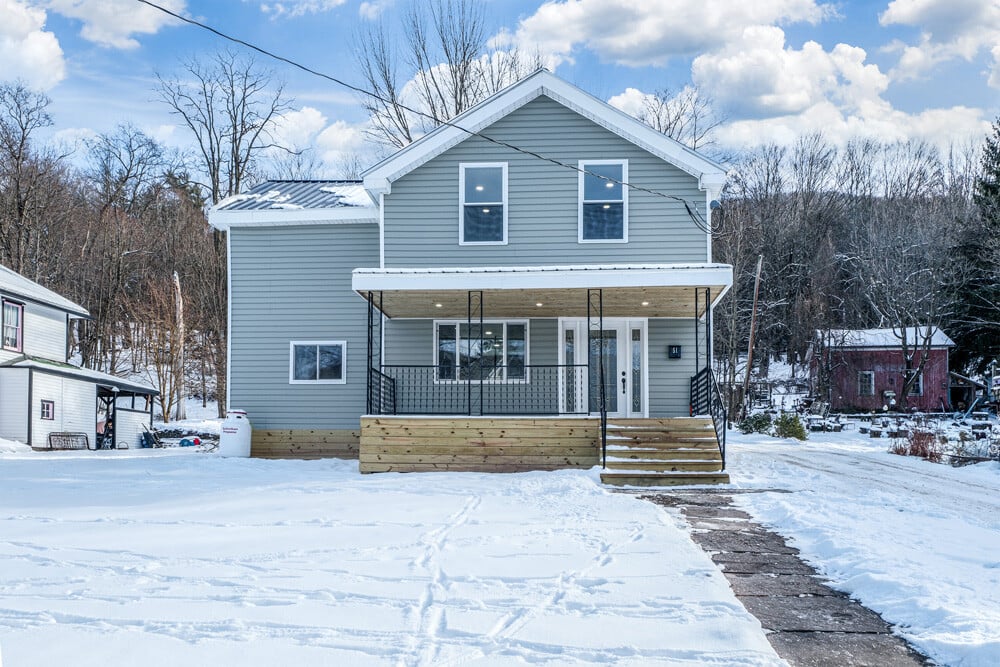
{"x": 167, "y": 557}
{"x": 915, "y": 541}
{"x": 174, "y": 555}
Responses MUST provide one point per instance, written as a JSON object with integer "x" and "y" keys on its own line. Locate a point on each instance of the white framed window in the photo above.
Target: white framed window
{"x": 482, "y": 216}
{"x": 502, "y": 356}
{"x": 48, "y": 410}
{"x": 866, "y": 383}
{"x": 603, "y": 216}
{"x": 317, "y": 362}
{"x": 12, "y": 318}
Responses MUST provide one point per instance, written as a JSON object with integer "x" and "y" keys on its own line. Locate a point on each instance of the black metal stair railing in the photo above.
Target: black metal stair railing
{"x": 382, "y": 393}
{"x": 706, "y": 400}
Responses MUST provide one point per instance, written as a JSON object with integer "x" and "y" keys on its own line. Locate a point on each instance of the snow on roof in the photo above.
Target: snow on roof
{"x": 294, "y": 195}
{"x": 16, "y": 285}
{"x": 62, "y": 368}
{"x": 887, "y": 337}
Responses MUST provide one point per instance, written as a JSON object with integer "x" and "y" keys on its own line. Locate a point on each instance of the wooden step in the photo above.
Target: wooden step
{"x": 664, "y": 454}
{"x": 668, "y": 422}
{"x": 664, "y": 466}
{"x": 663, "y": 479}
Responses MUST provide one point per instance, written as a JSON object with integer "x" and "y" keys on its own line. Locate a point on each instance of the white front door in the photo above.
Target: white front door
{"x": 624, "y": 354}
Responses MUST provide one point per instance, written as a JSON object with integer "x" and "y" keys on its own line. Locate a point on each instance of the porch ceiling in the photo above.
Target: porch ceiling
{"x": 567, "y": 302}
{"x": 662, "y": 290}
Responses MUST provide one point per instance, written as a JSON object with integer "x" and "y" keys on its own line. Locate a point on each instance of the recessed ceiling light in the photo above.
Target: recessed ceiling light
{"x": 489, "y": 333}
{"x": 479, "y": 188}
{"x": 486, "y": 210}
{"x": 609, "y": 184}
{"x": 539, "y": 304}
{"x": 645, "y": 303}
{"x": 607, "y": 206}
{"x": 438, "y": 305}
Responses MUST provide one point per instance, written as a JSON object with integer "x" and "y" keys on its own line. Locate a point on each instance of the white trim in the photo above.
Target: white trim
{"x": 344, "y": 215}
{"x": 581, "y": 177}
{"x": 543, "y": 277}
{"x": 229, "y": 320}
{"x": 317, "y": 343}
{"x": 708, "y": 224}
{"x": 458, "y": 331}
{"x": 870, "y": 374}
{"x": 581, "y": 344}
{"x": 462, "y": 166}
{"x": 710, "y": 174}
{"x": 381, "y": 230}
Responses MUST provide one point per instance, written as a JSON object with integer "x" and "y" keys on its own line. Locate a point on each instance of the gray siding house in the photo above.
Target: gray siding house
{"x": 41, "y": 392}
{"x": 502, "y": 294}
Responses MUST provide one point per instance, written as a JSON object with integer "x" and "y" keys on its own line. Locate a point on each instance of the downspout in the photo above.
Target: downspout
{"x": 31, "y": 389}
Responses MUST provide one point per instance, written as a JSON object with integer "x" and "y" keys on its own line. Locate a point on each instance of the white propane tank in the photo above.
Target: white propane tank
{"x": 234, "y": 440}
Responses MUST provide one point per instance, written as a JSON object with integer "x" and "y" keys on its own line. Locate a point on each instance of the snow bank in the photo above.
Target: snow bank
{"x": 194, "y": 559}
{"x": 917, "y": 542}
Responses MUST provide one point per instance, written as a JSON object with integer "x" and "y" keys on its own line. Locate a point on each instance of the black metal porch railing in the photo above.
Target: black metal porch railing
{"x": 706, "y": 399}
{"x": 535, "y": 389}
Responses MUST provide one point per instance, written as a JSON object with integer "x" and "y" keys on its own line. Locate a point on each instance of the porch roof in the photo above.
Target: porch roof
{"x": 628, "y": 290}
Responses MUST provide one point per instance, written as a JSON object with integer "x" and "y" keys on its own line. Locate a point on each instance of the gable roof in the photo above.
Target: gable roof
{"x": 883, "y": 338}
{"x": 295, "y": 202}
{"x": 16, "y": 285}
{"x": 86, "y": 374}
{"x": 378, "y": 179}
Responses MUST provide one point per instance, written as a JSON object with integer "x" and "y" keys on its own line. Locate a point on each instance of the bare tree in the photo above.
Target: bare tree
{"x": 449, "y": 67}
{"x": 688, "y": 116}
{"x": 229, "y": 106}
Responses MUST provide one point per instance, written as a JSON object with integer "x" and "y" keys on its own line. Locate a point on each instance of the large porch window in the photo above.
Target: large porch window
{"x": 499, "y": 353}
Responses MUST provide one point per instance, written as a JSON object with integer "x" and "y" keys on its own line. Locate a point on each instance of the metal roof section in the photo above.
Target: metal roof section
{"x": 378, "y": 179}
{"x": 295, "y": 202}
{"x": 887, "y": 338}
{"x": 69, "y": 370}
{"x": 17, "y": 286}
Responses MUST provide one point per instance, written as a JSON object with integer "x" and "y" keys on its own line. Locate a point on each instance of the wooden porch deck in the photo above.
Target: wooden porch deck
{"x": 641, "y": 452}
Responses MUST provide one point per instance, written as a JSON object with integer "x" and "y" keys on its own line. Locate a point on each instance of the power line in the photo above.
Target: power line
{"x": 696, "y": 217}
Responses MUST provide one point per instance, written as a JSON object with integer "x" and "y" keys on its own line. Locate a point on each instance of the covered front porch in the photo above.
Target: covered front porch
{"x": 561, "y": 346}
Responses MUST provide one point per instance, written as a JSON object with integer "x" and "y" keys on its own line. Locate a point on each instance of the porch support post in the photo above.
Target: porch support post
{"x": 475, "y": 312}
{"x": 371, "y": 315}
{"x": 695, "y": 329}
{"x": 708, "y": 327}
{"x": 595, "y": 309}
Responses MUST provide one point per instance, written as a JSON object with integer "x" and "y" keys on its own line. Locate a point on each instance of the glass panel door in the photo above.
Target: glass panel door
{"x": 609, "y": 339}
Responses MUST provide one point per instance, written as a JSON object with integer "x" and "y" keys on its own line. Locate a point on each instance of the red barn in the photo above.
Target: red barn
{"x": 863, "y": 370}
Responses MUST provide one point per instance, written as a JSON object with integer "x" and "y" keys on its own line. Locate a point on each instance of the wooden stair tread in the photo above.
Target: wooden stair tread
{"x": 663, "y": 479}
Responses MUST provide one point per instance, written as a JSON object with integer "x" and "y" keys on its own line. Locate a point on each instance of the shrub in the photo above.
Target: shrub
{"x": 788, "y": 425}
{"x": 918, "y": 443}
{"x": 758, "y": 423}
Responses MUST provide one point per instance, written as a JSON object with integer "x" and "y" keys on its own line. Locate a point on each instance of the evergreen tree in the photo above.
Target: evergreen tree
{"x": 978, "y": 330}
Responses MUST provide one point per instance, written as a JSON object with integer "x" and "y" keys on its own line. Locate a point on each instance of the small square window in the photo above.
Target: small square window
{"x": 320, "y": 362}
{"x": 603, "y": 201}
{"x": 48, "y": 410}
{"x": 483, "y": 191}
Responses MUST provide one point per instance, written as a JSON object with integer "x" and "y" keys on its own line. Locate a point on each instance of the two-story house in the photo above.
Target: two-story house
{"x": 41, "y": 392}
{"x": 529, "y": 286}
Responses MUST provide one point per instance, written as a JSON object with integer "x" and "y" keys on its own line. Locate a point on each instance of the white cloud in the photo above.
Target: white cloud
{"x": 757, "y": 76}
{"x": 113, "y": 23}
{"x": 27, "y": 50}
{"x": 949, "y": 29}
{"x": 297, "y": 129}
{"x": 372, "y": 10}
{"x": 650, "y": 32}
{"x": 338, "y": 141}
{"x": 296, "y": 8}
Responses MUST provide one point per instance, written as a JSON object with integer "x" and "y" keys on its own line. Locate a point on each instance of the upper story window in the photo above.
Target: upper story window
{"x": 13, "y": 326}
{"x": 603, "y": 201}
{"x": 483, "y": 192}
{"x": 321, "y": 362}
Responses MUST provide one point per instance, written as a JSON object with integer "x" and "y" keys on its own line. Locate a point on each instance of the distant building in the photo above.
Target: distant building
{"x": 866, "y": 369}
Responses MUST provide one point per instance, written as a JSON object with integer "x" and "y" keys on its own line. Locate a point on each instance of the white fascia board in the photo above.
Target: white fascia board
{"x": 689, "y": 275}
{"x": 378, "y": 178}
{"x": 223, "y": 220}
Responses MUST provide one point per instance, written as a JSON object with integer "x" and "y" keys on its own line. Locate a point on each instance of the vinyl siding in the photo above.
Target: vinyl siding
{"x": 14, "y": 404}
{"x": 294, "y": 284}
{"x": 422, "y": 211}
{"x": 670, "y": 379}
{"x": 75, "y": 407}
{"x": 44, "y": 334}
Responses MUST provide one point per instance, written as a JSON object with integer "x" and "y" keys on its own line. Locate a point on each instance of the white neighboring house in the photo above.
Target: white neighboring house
{"x": 40, "y": 391}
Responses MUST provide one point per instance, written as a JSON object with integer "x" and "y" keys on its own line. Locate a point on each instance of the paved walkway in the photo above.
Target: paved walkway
{"x": 808, "y": 623}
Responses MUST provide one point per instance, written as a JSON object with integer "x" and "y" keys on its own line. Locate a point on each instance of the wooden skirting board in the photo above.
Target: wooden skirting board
{"x": 495, "y": 444}
{"x": 304, "y": 444}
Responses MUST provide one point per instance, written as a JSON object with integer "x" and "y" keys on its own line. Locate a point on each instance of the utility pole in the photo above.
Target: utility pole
{"x": 753, "y": 333}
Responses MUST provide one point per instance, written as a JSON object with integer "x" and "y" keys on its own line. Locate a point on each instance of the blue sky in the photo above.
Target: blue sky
{"x": 892, "y": 69}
